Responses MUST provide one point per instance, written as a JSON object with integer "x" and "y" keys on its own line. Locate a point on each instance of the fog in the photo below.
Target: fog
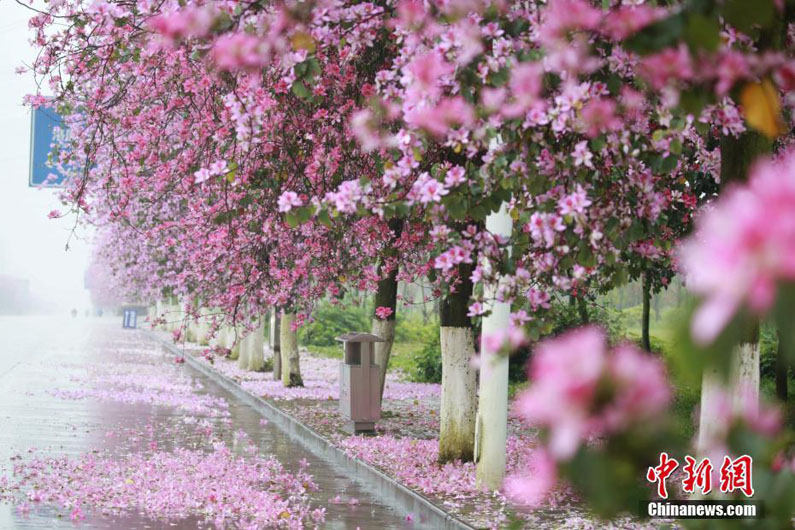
{"x": 32, "y": 247}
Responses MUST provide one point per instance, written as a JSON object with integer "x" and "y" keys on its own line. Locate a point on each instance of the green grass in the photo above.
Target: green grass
{"x": 662, "y": 335}
{"x": 664, "y": 329}
{"x": 400, "y": 359}
{"x": 663, "y": 338}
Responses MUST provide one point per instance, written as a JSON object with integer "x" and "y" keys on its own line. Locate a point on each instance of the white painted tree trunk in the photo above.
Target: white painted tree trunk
{"x": 158, "y": 311}
{"x": 459, "y": 401}
{"x": 203, "y": 328}
{"x": 291, "y": 369}
{"x": 275, "y": 344}
{"x": 252, "y": 350}
{"x": 383, "y": 350}
{"x": 745, "y": 372}
{"x": 228, "y": 339}
{"x": 193, "y": 330}
{"x": 234, "y": 342}
{"x": 742, "y": 388}
{"x": 176, "y": 317}
{"x": 244, "y": 347}
{"x": 169, "y": 316}
{"x": 492, "y": 418}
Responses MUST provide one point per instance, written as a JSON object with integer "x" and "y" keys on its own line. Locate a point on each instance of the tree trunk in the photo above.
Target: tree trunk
{"x": 582, "y": 310}
{"x": 383, "y": 350}
{"x": 492, "y": 418}
{"x": 204, "y": 328}
{"x": 251, "y": 349}
{"x": 459, "y": 377}
{"x": 459, "y": 395}
{"x": 742, "y": 388}
{"x": 231, "y": 341}
{"x": 386, "y": 296}
{"x": 243, "y": 348}
{"x": 291, "y": 369}
{"x": 782, "y": 367}
{"x": 424, "y": 306}
{"x": 275, "y": 343}
{"x": 737, "y": 155}
{"x": 645, "y": 339}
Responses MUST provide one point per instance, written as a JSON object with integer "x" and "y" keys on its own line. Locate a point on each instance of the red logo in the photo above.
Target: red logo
{"x": 660, "y": 473}
{"x": 735, "y": 475}
{"x": 697, "y": 475}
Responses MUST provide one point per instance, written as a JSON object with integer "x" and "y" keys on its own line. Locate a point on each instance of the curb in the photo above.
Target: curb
{"x": 392, "y": 493}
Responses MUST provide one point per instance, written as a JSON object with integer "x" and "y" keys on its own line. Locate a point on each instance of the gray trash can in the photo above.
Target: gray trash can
{"x": 360, "y": 378}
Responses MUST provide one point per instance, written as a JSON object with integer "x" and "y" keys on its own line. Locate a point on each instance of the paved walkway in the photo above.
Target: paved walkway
{"x": 73, "y": 386}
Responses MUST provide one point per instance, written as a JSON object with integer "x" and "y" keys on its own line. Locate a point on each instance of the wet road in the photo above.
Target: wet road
{"x": 60, "y": 381}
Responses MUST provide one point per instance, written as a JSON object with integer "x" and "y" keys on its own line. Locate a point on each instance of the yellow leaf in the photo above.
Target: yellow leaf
{"x": 303, "y": 41}
{"x": 761, "y": 108}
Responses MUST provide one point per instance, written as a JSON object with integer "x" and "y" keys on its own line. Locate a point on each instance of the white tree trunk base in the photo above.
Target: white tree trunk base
{"x": 291, "y": 369}
{"x": 252, "y": 350}
{"x": 459, "y": 395}
{"x": 720, "y": 397}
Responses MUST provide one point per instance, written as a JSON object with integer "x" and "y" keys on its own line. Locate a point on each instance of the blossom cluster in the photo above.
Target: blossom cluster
{"x": 580, "y": 389}
{"x": 743, "y": 249}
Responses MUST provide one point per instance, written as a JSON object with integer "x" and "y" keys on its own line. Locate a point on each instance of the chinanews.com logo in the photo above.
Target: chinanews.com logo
{"x": 734, "y": 476}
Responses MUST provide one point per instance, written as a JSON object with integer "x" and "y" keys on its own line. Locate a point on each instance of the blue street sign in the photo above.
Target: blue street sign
{"x": 130, "y": 319}
{"x": 42, "y": 135}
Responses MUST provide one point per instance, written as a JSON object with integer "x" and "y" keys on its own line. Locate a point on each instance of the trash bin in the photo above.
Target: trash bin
{"x": 360, "y": 379}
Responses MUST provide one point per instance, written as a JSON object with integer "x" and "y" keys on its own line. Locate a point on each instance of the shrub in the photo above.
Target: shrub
{"x": 411, "y": 328}
{"x": 428, "y": 361}
{"x": 330, "y": 321}
{"x": 566, "y": 316}
{"x": 768, "y": 346}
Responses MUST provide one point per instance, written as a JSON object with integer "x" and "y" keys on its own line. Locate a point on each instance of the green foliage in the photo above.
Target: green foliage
{"x": 566, "y": 316}
{"x": 417, "y": 349}
{"x": 331, "y": 321}
{"x": 411, "y": 328}
{"x": 768, "y": 347}
{"x": 563, "y": 317}
{"x": 428, "y": 362}
{"x": 268, "y": 365}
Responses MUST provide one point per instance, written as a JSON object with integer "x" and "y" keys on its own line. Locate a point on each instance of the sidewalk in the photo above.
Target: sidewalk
{"x": 99, "y": 427}
{"x": 405, "y": 447}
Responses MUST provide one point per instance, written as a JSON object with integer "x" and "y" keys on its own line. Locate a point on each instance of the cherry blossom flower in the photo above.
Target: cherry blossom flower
{"x": 581, "y": 155}
{"x": 566, "y": 373}
{"x": 575, "y": 202}
{"x": 289, "y": 200}
{"x": 743, "y": 247}
{"x": 383, "y": 312}
{"x": 202, "y": 175}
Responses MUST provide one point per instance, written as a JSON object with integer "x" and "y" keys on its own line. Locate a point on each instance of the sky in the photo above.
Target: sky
{"x": 31, "y": 245}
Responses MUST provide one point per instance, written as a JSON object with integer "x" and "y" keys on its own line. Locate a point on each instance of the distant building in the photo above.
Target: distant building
{"x": 15, "y": 295}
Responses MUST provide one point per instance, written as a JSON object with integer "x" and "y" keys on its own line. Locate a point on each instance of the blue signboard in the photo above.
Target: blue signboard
{"x": 42, "y": 135}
